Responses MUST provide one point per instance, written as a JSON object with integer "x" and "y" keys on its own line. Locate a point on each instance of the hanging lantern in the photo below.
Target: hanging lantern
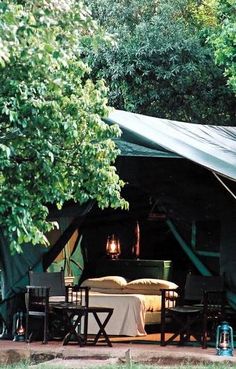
{"x": 113, "y": 247}
{"x": 224, "y": 340}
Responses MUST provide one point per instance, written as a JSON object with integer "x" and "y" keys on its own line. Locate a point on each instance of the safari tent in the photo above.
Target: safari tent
{"x": 182, "y": 193}
{"x": 181, "y": 189}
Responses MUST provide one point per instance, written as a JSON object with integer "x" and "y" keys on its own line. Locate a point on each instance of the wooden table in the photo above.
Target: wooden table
{"x": 72, "y": 316}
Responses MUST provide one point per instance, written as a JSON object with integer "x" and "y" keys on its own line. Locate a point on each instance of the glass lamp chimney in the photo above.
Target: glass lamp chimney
{"x": 224, "y": 340}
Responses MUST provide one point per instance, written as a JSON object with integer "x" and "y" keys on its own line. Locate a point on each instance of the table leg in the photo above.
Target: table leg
{"x": 72, "y": 325}
{"x": 102, "y": 326}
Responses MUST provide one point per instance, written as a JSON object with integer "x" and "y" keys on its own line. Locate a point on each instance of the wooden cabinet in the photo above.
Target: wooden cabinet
{"x": 133, "y": 269}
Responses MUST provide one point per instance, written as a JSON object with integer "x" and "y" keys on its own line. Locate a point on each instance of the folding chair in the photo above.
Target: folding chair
{"x": 72, "y": 312}
{"x": 202, "y": 302}
{"x": 76, "y": 311}
{"x": 57, "y": 293}
{"x": 214, "y": 305}
{"x": 37, "y": 305}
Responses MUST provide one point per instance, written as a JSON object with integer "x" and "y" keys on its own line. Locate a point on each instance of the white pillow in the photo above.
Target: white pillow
{"x": 115, "y": 282}
{"x": 149, "y": 286}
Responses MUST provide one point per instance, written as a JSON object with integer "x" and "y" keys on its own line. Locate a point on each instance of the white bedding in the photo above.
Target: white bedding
{"x": 128, "y": 318}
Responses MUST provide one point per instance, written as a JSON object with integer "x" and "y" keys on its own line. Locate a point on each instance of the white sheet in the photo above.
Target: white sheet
{"x": 128, "y": 318}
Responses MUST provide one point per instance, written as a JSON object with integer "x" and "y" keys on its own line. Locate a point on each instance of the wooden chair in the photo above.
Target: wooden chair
{"x": 198, "y": 308}
{"x": 37, "y": 305}
{"x": 214, "y": 311}
{"x": 74, "y": 314}
{"x": 57, "y": 293}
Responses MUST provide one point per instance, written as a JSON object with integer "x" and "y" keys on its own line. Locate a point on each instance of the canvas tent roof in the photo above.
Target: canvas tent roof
{"x": 213, "y": 147}
{"x": 210, "y": 147}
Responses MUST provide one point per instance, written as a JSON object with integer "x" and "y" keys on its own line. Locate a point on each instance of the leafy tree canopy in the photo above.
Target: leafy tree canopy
{"x": 54, "y": 147}
{"x": 159, "y": 63}
{"x": 224, "y": 40}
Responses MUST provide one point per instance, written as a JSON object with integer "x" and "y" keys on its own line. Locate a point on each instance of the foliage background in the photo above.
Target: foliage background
{"x": 224, "y": 39}
{"x": 54, "y": 146}
{"x": 160, "y": 62}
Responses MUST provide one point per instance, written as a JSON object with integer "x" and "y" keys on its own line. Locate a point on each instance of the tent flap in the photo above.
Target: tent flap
{"x": 213, "y": 147}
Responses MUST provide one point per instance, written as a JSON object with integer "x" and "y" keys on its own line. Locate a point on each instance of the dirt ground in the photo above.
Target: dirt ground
{"x": 55, "y": 355}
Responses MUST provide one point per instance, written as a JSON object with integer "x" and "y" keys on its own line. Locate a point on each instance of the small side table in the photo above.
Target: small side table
{"x": 73, "y": 313}
{"x": 95, "y": 310}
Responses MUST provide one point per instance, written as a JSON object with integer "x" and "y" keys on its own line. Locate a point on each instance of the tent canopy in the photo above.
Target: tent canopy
{"x": 210, "y": 147}
{"x": 213, "y": 147}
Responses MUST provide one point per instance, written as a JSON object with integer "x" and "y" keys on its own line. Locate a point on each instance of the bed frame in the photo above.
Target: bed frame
{"x": 131, "y": 268}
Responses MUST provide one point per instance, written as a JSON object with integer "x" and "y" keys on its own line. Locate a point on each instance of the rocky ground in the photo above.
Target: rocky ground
{"x": 55, "y": 355}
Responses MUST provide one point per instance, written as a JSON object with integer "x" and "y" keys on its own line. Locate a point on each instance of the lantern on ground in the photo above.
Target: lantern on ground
{"x": 224, "y": 340}
{"x": 19, "y": 334}
{"x": 113, "y": 247}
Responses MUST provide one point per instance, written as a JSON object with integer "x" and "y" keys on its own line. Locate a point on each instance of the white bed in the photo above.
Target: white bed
{"x": 128, "y": 318}
{"x": 132, "y": 310}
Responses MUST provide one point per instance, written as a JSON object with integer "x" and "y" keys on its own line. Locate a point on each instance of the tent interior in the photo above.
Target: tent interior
{"x": 183, "y": 214}
{"x": 183, "y": 211}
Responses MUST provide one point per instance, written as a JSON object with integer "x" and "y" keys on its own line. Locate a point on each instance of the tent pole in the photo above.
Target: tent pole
{"x": 198, "y": 264}
{"x": 224, "y": 185}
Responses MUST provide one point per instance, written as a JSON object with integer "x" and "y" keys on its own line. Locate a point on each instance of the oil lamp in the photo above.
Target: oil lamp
{"x": 113, "y": 247}
{"x": 224, "y": 340}
{"x": 19, "y": 328}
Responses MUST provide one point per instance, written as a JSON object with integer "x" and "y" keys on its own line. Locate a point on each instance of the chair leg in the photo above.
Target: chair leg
{"x": 27, "y": 327}
{"x": 45, "y": 329}
{"x": 204, "y": 333}
{"x": 163, "y": 328}
{"x": 85, "y": 327}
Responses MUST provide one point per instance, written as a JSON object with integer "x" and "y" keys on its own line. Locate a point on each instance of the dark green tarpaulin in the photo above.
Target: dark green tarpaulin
{"x": 213, "y": 147}
{"x": 15, "y": 268}
{"x": 14, "y": 274}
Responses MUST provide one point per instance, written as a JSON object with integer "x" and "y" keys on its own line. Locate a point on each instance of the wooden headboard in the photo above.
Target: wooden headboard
{"x": 131, "y": 268}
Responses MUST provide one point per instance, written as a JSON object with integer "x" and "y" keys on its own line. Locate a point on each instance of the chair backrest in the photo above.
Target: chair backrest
{"x": 54, "y": 280}
{"x": 37, "y": 299}
{"x": 78, "y": 295}
{"x": 214, "y": 303}
{"x": 196, "y": 285}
